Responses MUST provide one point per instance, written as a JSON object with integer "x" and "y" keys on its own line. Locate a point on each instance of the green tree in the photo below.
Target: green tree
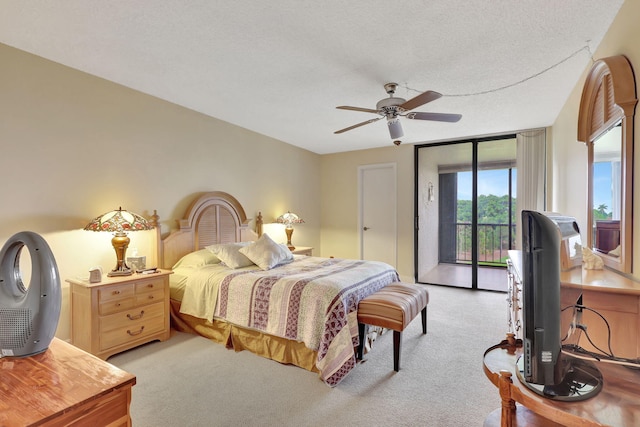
{"x": 601, "y": 213}
{"x": 493, "y": 210}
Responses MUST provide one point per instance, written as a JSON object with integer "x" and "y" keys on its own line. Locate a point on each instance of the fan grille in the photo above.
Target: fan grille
{"x": 16, "y": 328}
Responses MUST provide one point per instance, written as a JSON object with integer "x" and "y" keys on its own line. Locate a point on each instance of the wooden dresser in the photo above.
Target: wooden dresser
{"x": 119, "y": 313}
{"x": 63, "y": 386}
{"x": 612, "y": 295}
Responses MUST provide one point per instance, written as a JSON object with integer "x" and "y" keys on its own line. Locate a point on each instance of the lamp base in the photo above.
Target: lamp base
{"x": 289, "y": 232}
{"x": 120, "y": 243}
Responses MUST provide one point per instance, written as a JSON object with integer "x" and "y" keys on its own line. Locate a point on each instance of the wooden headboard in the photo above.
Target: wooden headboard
{"x": 214, "y": 217}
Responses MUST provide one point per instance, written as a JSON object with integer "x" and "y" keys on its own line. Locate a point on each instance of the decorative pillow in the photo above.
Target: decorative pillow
{"x": 266, "y": 254}
{"x": 287, "y": 251}
{"x": 197, "y": 259}
{"x": 229, "y": 253}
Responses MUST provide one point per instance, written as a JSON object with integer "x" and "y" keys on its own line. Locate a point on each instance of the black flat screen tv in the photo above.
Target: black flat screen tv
{"x": 543, "y": 367}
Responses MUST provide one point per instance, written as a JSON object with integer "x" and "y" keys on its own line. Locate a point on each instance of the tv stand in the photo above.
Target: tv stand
{"x": 616, "y": 404}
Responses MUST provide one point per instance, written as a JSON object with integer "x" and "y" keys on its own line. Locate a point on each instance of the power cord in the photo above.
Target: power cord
{"x": 601, "y": 355}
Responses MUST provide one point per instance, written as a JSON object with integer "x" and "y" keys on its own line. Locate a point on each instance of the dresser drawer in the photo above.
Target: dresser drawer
{"x": 116, "y": 305}
{"x": 149, "y": 285}
{"x": 131, "y": 332}
{"x": 130, "y": 325}
{"x": 109, "y": 293}
{"x": 149, "y": 297}
{"x": 132, "y": 317}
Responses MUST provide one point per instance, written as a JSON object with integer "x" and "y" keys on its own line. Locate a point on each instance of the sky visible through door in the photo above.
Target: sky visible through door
{"x": 494, "y": 182}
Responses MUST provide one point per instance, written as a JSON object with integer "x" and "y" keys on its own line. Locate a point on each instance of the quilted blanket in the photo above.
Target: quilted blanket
{"x": 311, "y": 300}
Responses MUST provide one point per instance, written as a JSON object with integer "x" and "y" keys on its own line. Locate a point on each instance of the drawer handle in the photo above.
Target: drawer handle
{"x": 139, "y": 316}
{"x": 150, "y": 285}
{"x": 137, "y": 332}
{"x": 115, "y": 293}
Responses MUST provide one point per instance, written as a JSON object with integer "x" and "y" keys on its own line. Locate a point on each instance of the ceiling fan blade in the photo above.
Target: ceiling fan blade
{"x": 438, "y": 117}
{"x": 358, "y": 125}
{"x": 421, "y": 99}
{"x": 364, "y": 110}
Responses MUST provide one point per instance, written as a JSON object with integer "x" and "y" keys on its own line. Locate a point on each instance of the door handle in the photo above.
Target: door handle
{"x": 365, "y": 228}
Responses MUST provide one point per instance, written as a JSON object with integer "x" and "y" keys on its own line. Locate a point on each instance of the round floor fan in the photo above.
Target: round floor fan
{"x": 393, "y": 108}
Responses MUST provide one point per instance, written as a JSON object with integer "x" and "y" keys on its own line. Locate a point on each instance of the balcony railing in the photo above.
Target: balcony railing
{"x": 493, "y": 243}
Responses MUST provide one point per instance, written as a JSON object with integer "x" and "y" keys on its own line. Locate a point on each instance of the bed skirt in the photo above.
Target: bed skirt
{"x": 239, "y": 338}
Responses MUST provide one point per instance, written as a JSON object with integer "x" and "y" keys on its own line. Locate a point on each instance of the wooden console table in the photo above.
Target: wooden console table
{"x": 614, "y": 296}
{"x": 63, "y": 386}
{"x": 615, "y": 405}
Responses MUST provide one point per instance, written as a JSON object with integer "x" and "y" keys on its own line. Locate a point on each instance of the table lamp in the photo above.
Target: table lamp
{"x": 288, "y": 219}
{"x": 119, "y": 222}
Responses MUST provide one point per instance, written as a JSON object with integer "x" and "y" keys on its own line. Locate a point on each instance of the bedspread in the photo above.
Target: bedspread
{"x": 311, "y": 300}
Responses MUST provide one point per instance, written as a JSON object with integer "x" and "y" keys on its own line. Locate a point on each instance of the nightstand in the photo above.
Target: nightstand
{"x": 120, "y": 312}
{"x": 303, "y": 250}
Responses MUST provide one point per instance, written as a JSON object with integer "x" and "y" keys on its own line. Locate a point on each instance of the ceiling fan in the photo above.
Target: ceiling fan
{"x": 393, "y": 107}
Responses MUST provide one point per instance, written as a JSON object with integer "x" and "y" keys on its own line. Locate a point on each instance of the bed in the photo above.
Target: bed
{"x": 238, "y": 287}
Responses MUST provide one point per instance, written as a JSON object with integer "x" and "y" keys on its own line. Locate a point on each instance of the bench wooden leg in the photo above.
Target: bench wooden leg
{"x": 397, "y": 341}
{"x": 424, "y": 320}
{"x": 362, "y": 329}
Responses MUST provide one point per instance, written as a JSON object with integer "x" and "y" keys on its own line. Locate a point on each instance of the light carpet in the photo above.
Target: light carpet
{"x": 191, "y": 381}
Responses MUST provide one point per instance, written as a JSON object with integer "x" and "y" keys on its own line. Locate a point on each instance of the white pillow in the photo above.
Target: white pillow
{"x": 230, "y": 255}
{"x": 197, "y": 259}
{"x": 217, "y": 247}
{"x": 266, "y": 254}
{"x": 287, "y": 251}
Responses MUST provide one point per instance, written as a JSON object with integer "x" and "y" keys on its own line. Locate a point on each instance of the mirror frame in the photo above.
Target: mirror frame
{"x": 609, "y": 97}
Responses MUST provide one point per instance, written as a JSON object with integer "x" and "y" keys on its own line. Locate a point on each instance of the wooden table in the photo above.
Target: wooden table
{"x": 63, "y": 386}
{"x": 617, "y": 404}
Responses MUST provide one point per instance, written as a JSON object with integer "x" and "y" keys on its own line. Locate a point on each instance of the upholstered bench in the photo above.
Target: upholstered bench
{"x": 393, "y": 307}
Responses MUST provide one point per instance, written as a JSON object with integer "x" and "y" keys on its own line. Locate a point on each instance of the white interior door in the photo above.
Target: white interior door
{"x": 378, "y": 228}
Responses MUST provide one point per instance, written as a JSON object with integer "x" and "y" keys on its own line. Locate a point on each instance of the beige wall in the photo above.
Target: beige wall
{"x": 569, "y": 156}
{"x": 339, "y": 183}
{"x": 74, "y": 146}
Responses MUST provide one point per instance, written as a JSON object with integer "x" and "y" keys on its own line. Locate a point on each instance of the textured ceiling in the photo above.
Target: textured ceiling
{"x": 280, "y": 68}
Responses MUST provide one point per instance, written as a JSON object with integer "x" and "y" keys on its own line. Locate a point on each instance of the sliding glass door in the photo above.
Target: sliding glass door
{"x": 496, "y": 213}
{"x": 444, "y": 247}
{"x": 465, "y": 212}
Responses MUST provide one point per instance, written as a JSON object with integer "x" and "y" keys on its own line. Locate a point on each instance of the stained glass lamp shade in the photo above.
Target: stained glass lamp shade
{"x": 119, "y": 222}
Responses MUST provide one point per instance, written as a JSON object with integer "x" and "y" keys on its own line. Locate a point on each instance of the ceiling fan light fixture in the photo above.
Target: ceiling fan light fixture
{"x": 395, "y": 128}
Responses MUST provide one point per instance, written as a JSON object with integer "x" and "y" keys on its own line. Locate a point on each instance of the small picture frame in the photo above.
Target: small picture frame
{"x": 137, "y": 263}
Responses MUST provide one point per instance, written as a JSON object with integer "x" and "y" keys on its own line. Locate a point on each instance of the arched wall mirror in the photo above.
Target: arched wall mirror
{"x": 605, "y": 125}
